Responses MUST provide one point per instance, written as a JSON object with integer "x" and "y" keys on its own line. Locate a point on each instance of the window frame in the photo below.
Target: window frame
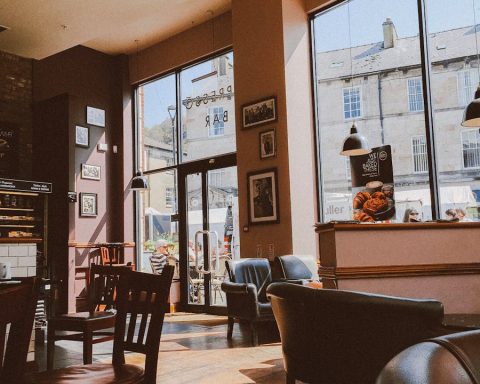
{"x": 410, "y": 95}
{"x": 419, "y": 154}
{"x": 462, "y": 132}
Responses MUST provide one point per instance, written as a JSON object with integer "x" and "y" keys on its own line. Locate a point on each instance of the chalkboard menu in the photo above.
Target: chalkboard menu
{"x": 8, "y": 149}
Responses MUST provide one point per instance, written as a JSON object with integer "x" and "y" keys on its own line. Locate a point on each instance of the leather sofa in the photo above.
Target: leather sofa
{"x": 333, "y": 336}
{"x": 450, "y": 359}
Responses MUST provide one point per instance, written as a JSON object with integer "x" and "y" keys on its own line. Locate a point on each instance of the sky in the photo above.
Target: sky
{"x": 367, "y": 16}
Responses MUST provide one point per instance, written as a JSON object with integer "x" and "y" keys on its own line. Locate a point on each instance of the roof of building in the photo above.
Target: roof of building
{"x": 445, "y": 45}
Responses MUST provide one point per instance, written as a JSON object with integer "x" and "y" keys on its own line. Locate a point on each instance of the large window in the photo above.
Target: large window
{"x": 183, "y": 116}
{"x": 369, "y": 52}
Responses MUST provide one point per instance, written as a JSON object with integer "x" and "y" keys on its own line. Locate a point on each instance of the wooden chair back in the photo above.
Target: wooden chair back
{"x": 17, "y": 310}
{"x": 144, "y": 297}
{"x": 105, "y": 253}
{"x": 102, "y": 287}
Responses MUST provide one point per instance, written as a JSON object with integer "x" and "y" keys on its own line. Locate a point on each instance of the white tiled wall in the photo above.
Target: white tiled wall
{"x": 21, "y": 257}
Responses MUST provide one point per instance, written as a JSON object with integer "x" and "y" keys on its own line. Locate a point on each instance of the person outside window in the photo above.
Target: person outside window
{"x": 159, "y": 258}
{"x": 451, "y": 214}
{"x": 411, "y": 216}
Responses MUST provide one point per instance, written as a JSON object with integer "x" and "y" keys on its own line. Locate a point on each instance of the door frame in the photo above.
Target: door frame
{"x": 199, "y": 166}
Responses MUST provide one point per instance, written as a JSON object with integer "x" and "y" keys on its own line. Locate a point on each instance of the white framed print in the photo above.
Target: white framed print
{"x": 96, "y": 116}
{"x": 91, "y": 172}
{"x": 82, "y": 136}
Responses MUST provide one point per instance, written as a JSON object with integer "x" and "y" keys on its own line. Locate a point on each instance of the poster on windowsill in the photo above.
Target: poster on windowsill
{"x": 372, "y": 185}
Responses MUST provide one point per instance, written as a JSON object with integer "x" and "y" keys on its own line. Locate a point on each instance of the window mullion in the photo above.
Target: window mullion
{"x": 428, "y": 110}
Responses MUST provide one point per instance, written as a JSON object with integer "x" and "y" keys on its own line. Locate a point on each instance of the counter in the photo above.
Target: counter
{"x": 437, "y": 260}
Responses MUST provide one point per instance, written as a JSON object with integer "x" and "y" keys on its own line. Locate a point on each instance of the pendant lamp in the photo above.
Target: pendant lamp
{"x": 355, "y": 144}
{"x": 471, "y": 115}
{"x": 139, "y": 182}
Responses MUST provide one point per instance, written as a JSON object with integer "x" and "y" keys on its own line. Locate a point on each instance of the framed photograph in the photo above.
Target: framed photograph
{"x": 82, "y": 136}
{"x": 263, "y": 197}
{"x": 260, "y": 112}
{"x": 96, "y": 116}
{"x": 91, "y": 172}
{"x": 88, "y": 204}
{"x": 268, "y": 145}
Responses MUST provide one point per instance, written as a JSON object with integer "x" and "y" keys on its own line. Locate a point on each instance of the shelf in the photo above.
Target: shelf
{"x": 11, "y": 240}
{"x": 17, "y": 209}
{"x": 16, "y": 226}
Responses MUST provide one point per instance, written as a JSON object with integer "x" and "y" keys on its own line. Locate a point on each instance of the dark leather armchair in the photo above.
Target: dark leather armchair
{"x": 332, "y": 336}
{"x": 246, "y": 293}
{"x": 448, "y": 359}
{"x": 303, "y": 268}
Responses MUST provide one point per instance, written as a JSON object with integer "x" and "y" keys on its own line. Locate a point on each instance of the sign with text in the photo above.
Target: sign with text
{"x": 25, "y": 186}
{"x": 8, "y": 149}
{"x": 372, "y": 185}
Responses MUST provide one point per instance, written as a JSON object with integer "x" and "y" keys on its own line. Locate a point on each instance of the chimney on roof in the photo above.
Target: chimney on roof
{"x": 389, "y": 34}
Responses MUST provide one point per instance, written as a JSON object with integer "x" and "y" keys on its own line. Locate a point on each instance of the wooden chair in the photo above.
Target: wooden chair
{"x": 90, "y": 327}
{"x": 18, "y": 304}
{"x": 141, "y": 305}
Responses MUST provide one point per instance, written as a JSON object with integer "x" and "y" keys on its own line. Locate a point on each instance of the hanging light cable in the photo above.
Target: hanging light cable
{"x": 139, "y": 181}
{"x": 354, "y": 144}
{"x": 471, "y": 115}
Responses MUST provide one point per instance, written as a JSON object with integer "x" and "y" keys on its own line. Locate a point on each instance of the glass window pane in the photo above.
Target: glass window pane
{"x": 452, "y": 40}
{"x": 368, "y": 70}
{"x": 158, "y": 204}
{"x": 156, "y": 123}
{"x": 208, "y": 109}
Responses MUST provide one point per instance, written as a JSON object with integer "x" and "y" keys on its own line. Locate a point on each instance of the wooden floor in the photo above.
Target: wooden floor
{"x": 195, "y": 349}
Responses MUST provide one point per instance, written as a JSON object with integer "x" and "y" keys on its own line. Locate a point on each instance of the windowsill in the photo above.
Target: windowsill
{"x": 350, "y": 226}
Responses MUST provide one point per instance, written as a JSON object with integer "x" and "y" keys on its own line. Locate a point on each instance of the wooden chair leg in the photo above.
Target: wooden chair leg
{"x": 254, "y": 334}
{"x": 231, "y": 321}
{"x": 50, "y": 347}
{"x": 290, "y": 379}
{"x": 87, "y": 347}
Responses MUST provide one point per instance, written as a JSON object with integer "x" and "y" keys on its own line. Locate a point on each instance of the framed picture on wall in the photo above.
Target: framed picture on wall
{"x": 263, "y": 197}
{"x": 260, "y": 112}
{"x": 88, "y": 204}
{"x": 96, "y": 116}
{"x": 268, "y": 145}
{"x": 91, "y": 172}
{"x": 82, "y": 136}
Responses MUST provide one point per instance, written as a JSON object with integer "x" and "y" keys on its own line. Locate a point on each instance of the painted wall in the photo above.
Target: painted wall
{"x": 84, "y": 77}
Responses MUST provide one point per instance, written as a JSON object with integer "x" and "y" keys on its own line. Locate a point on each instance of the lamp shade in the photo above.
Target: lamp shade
{"x": 471, "y": 115}
{"x": 139, "y": 182}
{"x": 355, "y": 144}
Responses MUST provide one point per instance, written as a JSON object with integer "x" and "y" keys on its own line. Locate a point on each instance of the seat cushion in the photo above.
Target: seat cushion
{"x": 90, "y": 374}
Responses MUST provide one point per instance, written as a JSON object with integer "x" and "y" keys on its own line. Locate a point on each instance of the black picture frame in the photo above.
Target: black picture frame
{"x": 267, "y": 144}
{"x": 263, "y": 197}
{"x": 91, "y": 172}
{"x": 88, "y": 204}
{"x": 82, "y": 136}
{"x": 259, "y": 112}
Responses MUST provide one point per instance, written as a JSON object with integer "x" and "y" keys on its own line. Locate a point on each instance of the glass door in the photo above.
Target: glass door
{"x": 210, "y": 235}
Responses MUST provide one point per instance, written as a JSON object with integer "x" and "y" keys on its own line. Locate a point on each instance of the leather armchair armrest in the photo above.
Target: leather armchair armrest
{"x": 242, "y": 299}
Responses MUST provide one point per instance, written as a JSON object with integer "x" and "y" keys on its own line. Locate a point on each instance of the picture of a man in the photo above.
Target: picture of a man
{"x": 263, "y": 201}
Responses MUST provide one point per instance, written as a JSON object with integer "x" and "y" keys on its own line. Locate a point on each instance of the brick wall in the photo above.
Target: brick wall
{"x": 16, "y": 106}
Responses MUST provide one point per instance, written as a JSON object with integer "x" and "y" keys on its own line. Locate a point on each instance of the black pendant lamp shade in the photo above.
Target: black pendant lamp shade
{"x": 355, "y": 144}
{"x": 471, "y": 115}
{"x": 139, "y": 182}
